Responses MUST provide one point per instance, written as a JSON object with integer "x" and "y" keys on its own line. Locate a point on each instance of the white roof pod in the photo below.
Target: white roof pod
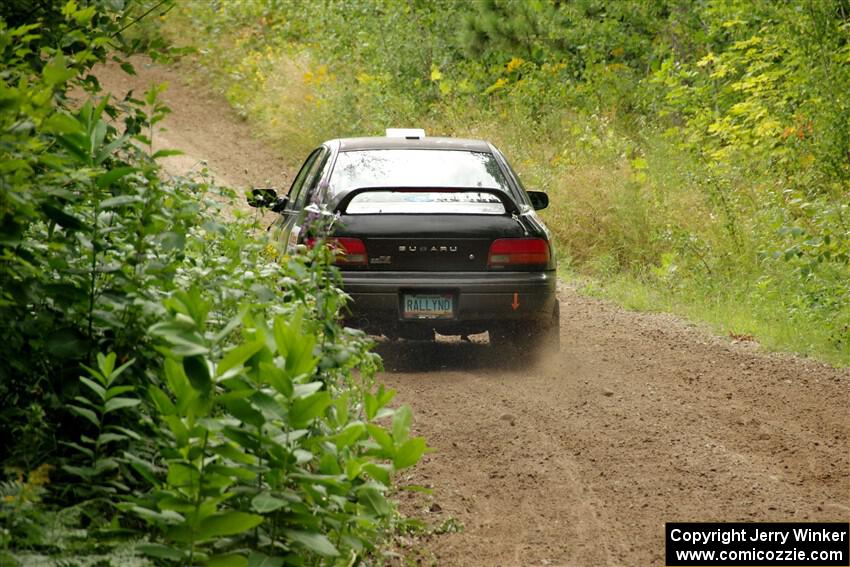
{"x": 406, "y": 133}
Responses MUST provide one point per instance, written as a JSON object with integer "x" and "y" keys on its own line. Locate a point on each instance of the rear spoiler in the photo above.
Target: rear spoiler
{"x": 340, "y": 203}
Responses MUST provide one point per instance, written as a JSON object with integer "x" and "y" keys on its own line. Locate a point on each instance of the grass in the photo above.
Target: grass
{"x": 728, "y": 314}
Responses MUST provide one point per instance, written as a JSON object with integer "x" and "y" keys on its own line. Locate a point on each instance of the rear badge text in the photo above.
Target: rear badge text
{"x": 404, "y": 248}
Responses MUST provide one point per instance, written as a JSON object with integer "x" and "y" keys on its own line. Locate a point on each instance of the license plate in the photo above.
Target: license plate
{"x": 427, "y": 305}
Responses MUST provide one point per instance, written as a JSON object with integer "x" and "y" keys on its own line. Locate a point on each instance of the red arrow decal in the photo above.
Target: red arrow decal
{"x": 515, "y": 304}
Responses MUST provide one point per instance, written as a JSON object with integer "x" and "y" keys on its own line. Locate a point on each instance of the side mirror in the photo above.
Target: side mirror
{"x": 262, "y": 198}
{"x": 266, "y": 198}
{"x": 539, "y": 199}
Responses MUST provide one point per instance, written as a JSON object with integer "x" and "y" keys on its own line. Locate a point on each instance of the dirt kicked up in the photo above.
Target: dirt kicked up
{"x": 578, "y": 460}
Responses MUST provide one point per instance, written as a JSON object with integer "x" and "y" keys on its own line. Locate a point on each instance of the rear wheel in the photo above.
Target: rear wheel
{"x": 551, "y": 336}
{"x": 529, "y": 337}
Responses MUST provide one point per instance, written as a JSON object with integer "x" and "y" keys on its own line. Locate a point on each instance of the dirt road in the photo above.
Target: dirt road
{"x": 579, "y": 460}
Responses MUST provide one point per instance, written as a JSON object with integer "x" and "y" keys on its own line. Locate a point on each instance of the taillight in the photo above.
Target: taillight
{"x": 349, "y": 251}
{"x": 506, "y": 252}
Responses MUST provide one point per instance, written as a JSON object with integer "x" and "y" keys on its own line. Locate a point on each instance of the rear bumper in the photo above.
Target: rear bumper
{"x": 482, "y": 298}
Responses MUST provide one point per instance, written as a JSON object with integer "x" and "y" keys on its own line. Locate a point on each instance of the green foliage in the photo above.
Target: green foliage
{"x": 99, "y": 476}
{"x": 261, "y": 447}
{"x": 87, "y": 227}
{"x": 233, "y": 421}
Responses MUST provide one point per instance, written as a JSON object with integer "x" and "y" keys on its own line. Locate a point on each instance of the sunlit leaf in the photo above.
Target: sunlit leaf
{"x": 316, "y": 542}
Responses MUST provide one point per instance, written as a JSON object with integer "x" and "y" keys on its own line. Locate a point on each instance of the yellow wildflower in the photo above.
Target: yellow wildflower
{"x": 514, "y": 64}
{"x": 40, "y": 476}
{"x": 500, "y": 83}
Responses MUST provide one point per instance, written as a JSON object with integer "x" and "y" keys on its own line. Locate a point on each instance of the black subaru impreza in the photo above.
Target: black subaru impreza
{"x": 433, "y": 234}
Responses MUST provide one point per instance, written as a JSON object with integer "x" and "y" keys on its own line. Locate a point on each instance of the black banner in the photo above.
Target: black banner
{"x": 758, "y": 544}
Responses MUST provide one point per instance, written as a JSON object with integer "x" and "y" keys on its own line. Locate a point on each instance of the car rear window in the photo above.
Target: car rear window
{"x": 425, "y": 202}
{"x": 416, "y": 168}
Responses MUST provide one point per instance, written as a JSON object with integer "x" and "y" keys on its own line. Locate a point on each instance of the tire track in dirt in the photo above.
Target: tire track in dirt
{"x": 578, "y": 460}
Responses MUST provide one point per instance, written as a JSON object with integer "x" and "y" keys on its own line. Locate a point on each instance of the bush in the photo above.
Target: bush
{"x": 234, "y": 419}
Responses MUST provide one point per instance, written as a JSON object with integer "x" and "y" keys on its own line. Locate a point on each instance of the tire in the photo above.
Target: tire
{"x": 529, "y": 338}
{"x": 546, "y": 340}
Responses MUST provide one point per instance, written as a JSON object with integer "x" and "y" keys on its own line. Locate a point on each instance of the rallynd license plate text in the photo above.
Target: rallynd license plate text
{"x": 427, "y": 306}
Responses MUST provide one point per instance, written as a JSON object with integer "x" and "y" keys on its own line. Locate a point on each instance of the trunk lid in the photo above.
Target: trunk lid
{"x": 428, "y": 242}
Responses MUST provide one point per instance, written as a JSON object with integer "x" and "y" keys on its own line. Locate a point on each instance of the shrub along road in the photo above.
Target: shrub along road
{"x": 578, "y": 460}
